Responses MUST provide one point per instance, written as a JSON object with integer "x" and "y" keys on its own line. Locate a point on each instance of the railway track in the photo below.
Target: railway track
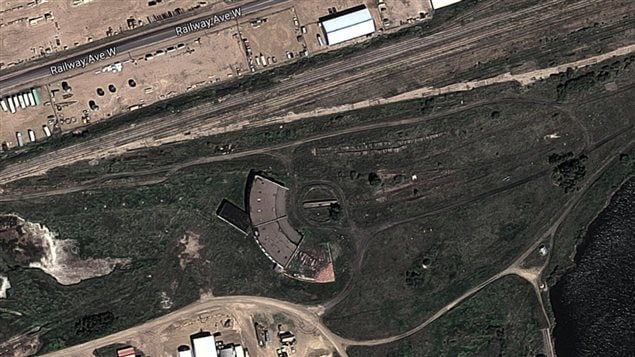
{"x": 250, "y": 110}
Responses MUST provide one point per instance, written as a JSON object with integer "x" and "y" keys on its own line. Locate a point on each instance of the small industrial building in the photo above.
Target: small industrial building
{"x": 234, "y": 216}
{"x": 347, "y": 25}
{"x": 437, "y": 4}
{"x": 126, "y": 352}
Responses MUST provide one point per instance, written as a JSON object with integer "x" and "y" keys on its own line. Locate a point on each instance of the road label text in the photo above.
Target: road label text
{"x": 208, "y": 22}
{"x": 82, "y": 62}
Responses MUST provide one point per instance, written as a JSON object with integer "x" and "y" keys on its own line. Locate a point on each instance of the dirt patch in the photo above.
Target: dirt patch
{"x": 34, "y": 245}
{"x": 21, "y": 346}
{"x": 192, "y": 245}
{"x": 4, "y": 286}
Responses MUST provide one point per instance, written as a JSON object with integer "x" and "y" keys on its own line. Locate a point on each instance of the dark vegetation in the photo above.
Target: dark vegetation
{"x": 568, "y": 170}
{"x": 503, "y": 319}
{"x": 572, "y": 83}
{"x": 573, "y": 229}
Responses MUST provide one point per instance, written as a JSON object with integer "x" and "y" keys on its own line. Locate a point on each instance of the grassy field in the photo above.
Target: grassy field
{"x": 483, "y": 191}
{"x": 424, "y": 265}
{"x": 504, "y": 319}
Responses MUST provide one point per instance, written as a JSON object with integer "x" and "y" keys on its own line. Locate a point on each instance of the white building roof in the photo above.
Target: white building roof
{"x": 240, "y": 351}
{"x": 348, "y": 26}
{"x": 204, "y": 346}
{"x": 437, "y": 4}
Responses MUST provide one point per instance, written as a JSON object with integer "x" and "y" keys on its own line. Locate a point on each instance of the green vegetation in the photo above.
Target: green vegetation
{"x": 568, "y": 170}
{"x": 574, "y": 227}
{"x": 572, "y": 83}
{"x": 503, "y": 319}
{"x": 146, "y": 224}
{"x": 464, "y": 247}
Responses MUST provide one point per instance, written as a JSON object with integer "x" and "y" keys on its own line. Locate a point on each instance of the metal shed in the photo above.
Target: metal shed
{"x": 347, "y": 25}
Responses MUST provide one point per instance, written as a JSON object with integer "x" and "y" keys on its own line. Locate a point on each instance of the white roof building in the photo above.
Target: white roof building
{"x": 437, "y": 4}
{"x": 348, "y": 25}
{"x": 204, "y": 346}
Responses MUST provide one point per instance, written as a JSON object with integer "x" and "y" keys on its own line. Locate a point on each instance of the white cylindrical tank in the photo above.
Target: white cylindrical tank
{"x": 46, "y": 130}
{"x": 3, "y": 104}
{"x": 184, "y": 351}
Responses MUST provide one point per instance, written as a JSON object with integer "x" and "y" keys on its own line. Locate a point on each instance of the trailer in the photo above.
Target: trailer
{"x": 320, "y": 41}
{"x": 36, "y": 96}
{"x": 46, "y": 130}
{"x": 32, "y": 98}
{"x": 16, "y": 102}
{"x": 18, "y": 135}
{"x": 21, "y": 101}
{"x": 25, "y": 97}
{"x": 31, "y": 135}
{"x": 4, "y": 106}
{"x": 11, "y": 105}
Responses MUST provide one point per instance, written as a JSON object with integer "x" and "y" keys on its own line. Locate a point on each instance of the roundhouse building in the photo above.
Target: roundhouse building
{"x": 267, "y": 211}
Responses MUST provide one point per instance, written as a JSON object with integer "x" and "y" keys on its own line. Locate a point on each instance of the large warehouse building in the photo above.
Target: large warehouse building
{"x": 347, "y": 25}
{"x": 437, "y": 4}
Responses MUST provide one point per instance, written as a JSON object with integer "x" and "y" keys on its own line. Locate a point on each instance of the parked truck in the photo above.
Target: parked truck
{"x": 31, "y": 135}
{"x": 18, "y": 135}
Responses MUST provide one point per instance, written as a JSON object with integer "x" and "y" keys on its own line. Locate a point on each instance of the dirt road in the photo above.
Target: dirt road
{"x": 303, "y": 313}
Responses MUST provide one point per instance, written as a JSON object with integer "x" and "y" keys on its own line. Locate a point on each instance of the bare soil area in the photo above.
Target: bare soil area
{"x": 34, "y": 245}
{"x": 21, "y": 346}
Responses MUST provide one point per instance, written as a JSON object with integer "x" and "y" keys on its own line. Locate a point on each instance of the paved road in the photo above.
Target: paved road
{"x": 124, "y": 45}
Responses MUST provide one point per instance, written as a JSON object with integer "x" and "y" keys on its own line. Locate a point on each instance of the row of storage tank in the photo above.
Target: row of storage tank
{"x": 22, "y": 100}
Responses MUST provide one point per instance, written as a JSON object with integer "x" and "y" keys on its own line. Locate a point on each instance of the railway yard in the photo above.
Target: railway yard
{"x": 426, "y": 176}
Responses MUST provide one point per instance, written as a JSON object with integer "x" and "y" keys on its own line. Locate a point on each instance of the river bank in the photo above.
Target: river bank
{"x": 592, "y": 302}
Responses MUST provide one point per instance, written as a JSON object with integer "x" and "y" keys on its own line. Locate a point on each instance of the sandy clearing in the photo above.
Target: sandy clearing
{"x": 4, "y": 286}
{"x": 60, "y": 259}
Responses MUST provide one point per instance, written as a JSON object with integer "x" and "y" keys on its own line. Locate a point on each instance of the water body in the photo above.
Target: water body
{"x": 594, "y": 304}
